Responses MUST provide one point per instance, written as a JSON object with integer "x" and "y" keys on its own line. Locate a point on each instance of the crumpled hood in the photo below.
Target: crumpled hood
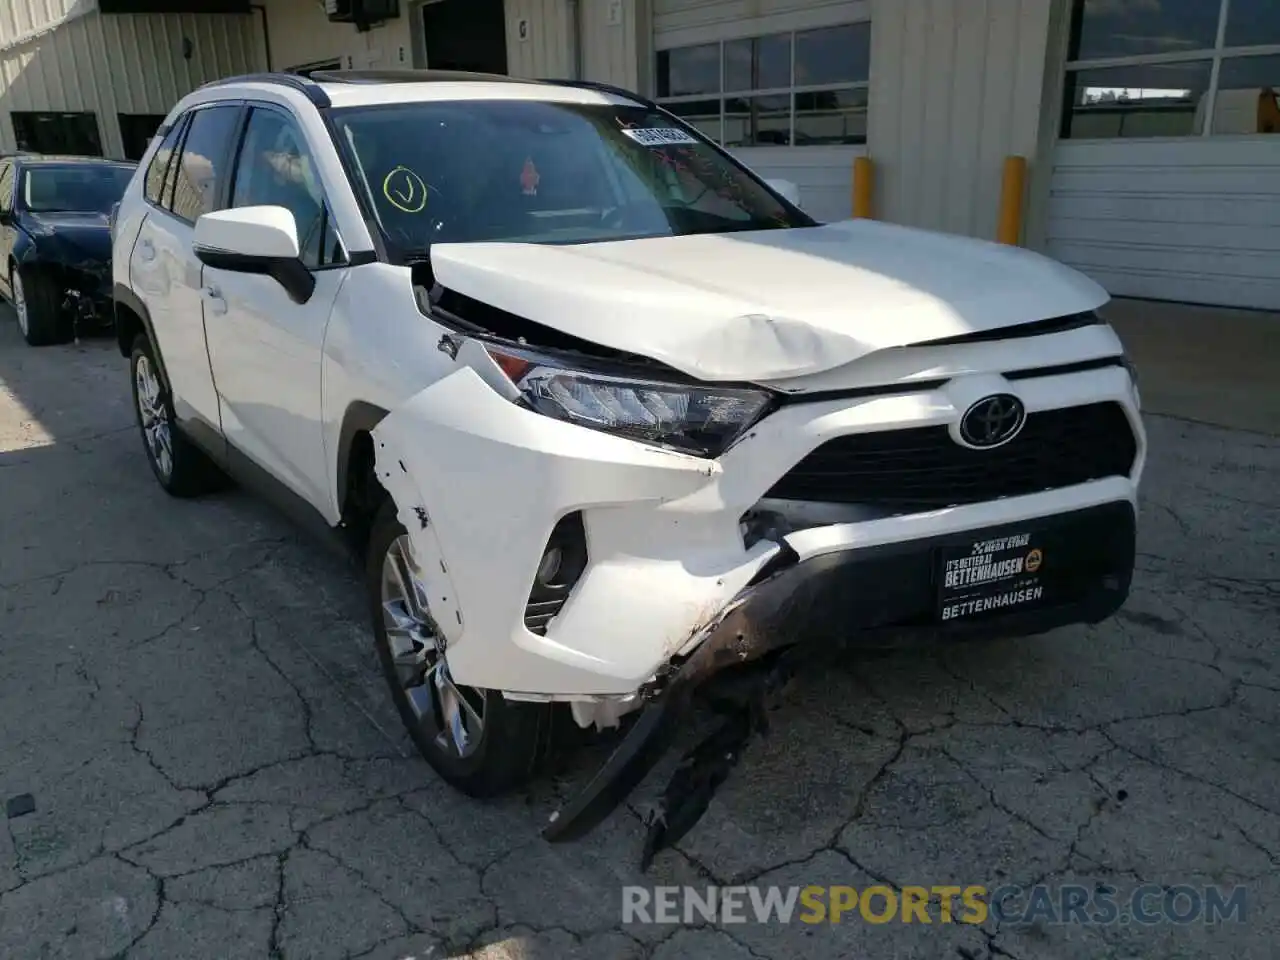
{"x": 771, "y": 304}
{"x": 71, "y": 237}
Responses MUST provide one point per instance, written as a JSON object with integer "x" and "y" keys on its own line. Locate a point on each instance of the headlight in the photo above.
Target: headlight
{"x": 699, "y": 419}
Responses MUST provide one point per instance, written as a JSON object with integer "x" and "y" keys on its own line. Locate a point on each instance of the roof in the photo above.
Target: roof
{"x": 342, "y": 88}
{"x": 40, "y": 159}
{"x": 342, "y": 95}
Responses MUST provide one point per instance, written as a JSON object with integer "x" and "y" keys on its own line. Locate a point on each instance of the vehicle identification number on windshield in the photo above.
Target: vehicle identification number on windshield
{"x": 658, "y": 136}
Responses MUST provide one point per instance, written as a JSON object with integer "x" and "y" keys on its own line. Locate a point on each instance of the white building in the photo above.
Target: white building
{"x": 1152, "y": 130}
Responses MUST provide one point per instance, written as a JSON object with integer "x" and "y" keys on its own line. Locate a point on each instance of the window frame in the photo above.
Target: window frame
{"x": 328, "y": 221}
{"x": 220, "y": 192}
{"x": 1215, "y": 55}
{"x": 723, "y": 96}
{"x": 179, "y": 129}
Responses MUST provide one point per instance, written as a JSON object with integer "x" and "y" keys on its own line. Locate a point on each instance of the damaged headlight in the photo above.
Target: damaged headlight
{"x": 693, "y": 418}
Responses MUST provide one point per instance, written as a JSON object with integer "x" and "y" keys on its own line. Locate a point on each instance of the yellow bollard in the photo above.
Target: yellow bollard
{"x": 1012, "y": 190}
{"x": 862, "y": 187}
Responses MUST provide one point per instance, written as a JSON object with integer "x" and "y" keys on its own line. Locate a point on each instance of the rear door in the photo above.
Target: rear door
{"x": 164, "y": 271}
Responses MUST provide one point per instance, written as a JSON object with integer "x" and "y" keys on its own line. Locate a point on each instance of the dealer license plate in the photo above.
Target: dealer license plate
{"x": 993, "y": 575}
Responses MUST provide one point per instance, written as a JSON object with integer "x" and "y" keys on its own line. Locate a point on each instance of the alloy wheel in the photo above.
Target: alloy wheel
{"x": 153, "y": 414}
{"x": 452, "y": 716}
{"x": 20, "y": 302}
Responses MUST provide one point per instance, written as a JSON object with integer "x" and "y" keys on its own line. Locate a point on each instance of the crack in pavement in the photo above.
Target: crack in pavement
{"x": 244, "y": 834}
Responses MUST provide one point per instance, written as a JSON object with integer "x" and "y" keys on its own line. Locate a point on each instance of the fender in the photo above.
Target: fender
{"x": 24, "y": 248}
{"x": 122, "y": 295}
{"x": 360, "y": 417}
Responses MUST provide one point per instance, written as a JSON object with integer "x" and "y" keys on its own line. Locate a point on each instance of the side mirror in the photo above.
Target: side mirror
{"x": 262, "y": 240}
{"x": 6, "y": 217}
{"x": 790, "y": 192}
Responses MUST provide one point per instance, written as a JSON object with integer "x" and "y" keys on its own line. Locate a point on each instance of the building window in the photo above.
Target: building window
{"x": 1209, "y": 68}
{"x": 136, "y": 131}
{"x": 798, "y": 88}
{"x": 67, "y": 134}
{"x": 307, "y": 69}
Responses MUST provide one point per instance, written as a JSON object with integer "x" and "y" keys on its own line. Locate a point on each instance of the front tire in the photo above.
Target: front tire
{"x": 38, "y": 304}
{"x": 181, "y": 468}
{"x": 477, "y": 741}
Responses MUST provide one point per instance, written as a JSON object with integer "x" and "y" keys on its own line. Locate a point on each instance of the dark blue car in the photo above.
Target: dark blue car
{"x": 55, "y": 242}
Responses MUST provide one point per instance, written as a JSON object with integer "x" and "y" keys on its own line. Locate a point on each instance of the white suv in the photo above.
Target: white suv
{"x": 605, "y": 412}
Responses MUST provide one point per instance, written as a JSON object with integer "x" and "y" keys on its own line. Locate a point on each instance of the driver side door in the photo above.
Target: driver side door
{"x": 265, "y": 348}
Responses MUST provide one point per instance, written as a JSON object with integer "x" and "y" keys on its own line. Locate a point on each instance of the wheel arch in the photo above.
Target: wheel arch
{"x": 132, "y": 318}
{"x": 355, "y": 465}
{"x": 24, "y": 249}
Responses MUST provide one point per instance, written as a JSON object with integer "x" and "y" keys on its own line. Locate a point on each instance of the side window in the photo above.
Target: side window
{"x": 159, "y": 166}
{"x": 275, "y": 168}
{"x": 6, "y": 187}
{"x": 195, "y": 187}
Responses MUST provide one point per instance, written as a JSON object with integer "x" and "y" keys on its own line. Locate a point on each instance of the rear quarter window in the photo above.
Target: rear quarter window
{"x": 159, "y": 165}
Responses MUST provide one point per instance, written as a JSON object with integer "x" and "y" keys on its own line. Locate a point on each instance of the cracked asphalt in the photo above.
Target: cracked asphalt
{"x": 189, "y": 694}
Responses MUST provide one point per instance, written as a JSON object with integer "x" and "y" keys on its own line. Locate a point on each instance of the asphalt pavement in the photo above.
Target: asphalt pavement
{"x": 197, "y": 758}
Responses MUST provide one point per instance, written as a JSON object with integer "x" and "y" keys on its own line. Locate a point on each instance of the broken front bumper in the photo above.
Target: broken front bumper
{"x": 872, "y": 596}
{"x": 482, "y": 483}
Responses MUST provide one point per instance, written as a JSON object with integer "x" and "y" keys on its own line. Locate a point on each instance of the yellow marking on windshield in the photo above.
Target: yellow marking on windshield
{"x": 405, "y": 190}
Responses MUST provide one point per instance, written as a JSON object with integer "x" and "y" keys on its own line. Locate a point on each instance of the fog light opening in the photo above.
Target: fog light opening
{"x": 563, "y": 561}
{"x": 552, "y": 561}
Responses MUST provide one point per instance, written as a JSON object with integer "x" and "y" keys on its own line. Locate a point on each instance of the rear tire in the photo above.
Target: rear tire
{"x": 180, "y": 467}
{"x": 512, "y": 737}
{"x": 38, "y": 302}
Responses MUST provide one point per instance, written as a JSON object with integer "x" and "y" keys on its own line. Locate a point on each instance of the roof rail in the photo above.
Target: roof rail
{"x": 411, "y": 76}
{"x": 312, "y": 91}
{"x": 601, "y": 88}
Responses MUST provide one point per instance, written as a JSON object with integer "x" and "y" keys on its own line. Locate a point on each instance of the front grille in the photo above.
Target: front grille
{"x": 924, "y": 469}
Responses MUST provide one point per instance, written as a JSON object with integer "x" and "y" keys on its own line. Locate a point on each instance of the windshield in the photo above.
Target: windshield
{"x": 539, "y": 172}
{"x": 74, "y": 189}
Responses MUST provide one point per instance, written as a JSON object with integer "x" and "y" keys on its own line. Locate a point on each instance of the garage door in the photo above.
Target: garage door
{"x": 781, "y": 83}
{"x": 1167, "y": 181}
{"x": 1196, "y": 220}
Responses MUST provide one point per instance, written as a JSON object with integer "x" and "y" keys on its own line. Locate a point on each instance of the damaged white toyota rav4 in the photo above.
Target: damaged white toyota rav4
{"x": 610, "y": 417}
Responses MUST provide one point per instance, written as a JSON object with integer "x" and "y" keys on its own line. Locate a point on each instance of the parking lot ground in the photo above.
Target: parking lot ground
{"x": 1207, "y": 364}
{"x": 188, "y": 696}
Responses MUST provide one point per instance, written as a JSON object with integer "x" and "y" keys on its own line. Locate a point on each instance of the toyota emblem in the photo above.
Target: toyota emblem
{"x": 992, "y": 421}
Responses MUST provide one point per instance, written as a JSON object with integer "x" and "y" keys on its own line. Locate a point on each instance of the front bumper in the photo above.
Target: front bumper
{"x": 88, "y": 299}
{"x": 880, "y": 595}
{"x": 481, "y": 483}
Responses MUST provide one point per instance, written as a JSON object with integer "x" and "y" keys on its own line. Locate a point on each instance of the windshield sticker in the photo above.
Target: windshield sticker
{"x": 405, "y": 190}
{"x": 658, "y": 136}
{"x": 529, "y": 178}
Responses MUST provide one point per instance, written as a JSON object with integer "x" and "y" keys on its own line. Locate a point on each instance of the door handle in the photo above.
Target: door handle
{"x": 146, "y": 250}
{"x": 217, "y": 304}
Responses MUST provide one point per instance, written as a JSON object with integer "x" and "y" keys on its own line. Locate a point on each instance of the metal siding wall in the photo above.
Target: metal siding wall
{"x": 1195, "y": 220}
{"x": 122, "y": 64}
{"x": 955, "y": 87}
{"x": 301, "y": 34}
{"x": 672, "y": 16}
{"x": 611, "y": 52}
{"x": 548, "y": 51}
{"x": 22, "y": 20}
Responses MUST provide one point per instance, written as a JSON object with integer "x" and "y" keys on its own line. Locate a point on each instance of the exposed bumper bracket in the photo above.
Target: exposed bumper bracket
{"x": 791, "y": 599}
{"x": 751, "y": 627}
